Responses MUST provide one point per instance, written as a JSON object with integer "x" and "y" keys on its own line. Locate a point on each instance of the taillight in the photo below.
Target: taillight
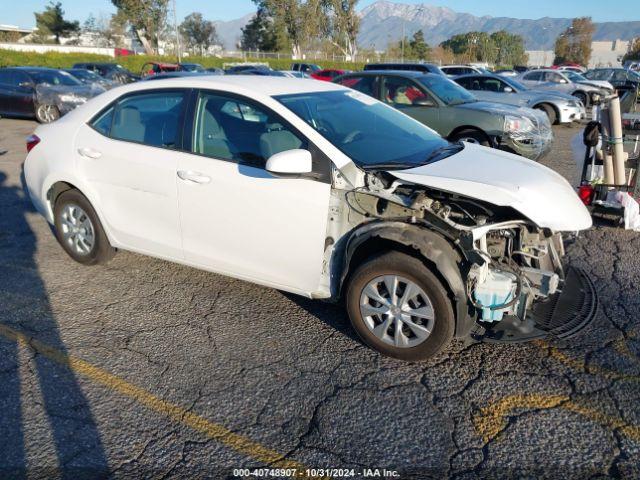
{"x": 32, "y": 141}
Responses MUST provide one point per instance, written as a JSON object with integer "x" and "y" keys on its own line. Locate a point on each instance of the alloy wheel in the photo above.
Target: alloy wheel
{"x": 77, "y": 229}
{"x": 397, "y": 311}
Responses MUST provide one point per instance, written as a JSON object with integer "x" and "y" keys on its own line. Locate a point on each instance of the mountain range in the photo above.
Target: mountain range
{"x": 383, "y": 22}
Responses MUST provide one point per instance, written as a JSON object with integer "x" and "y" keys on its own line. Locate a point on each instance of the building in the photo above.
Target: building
{"x": 603, "y": 54}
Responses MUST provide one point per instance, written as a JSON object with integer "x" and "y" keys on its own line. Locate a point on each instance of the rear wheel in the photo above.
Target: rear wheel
{"x": 550, "y": 111}
{"x": 47, "y": 113}
{"x": 399, "y": 308}
{"x": 79, "y": 231}
{"x": 471, "y": 136}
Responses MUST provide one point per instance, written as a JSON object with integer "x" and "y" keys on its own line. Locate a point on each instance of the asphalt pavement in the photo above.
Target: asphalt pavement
{"x": 143, "y": 368}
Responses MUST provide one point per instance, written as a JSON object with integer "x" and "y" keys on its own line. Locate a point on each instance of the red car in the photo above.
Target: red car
{"x": 328, "y": 74}
{"x": 153, "y": 68}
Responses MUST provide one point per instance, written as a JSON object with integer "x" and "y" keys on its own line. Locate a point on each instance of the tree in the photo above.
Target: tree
{"x": 509, "y": 48}
{"x": 574, "y": 44}
{"x": 472, "y": 47}
{"x": 198, "y": 33}
{"x": 418, "y": 47}
{"x": 634, "y": 51}
{"x": 302, "y": 20}
{"x": 344, "y": 24}
{"x": 147, "y": 17}
{"x": 51, "y": 22}
{"x": 260, "y": 33}
{"x": 90, "y": 24}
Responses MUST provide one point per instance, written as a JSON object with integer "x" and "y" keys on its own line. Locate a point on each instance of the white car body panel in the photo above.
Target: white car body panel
{"x": 248, "y": 223}
{"x": 504, "y": 179}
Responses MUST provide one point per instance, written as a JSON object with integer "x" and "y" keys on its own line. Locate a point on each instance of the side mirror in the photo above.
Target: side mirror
{"x": 290, "y": 162}
{"x": 507, "y": 90}
{"x": 423, "y": 102}
{"x": 27, "y": 85}
{"x": 562, "y": 80}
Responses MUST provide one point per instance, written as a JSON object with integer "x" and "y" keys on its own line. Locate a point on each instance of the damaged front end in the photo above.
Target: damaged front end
{"x": 530, "y": 136}
{"x": 66, "y": 98}
{"x": 504, "y": 274}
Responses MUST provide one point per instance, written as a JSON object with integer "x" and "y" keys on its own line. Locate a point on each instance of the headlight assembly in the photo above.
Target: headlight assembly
{"x": 517, "y": 124}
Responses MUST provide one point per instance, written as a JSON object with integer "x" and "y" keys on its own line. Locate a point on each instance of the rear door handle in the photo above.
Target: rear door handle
{"x": 89, "y": 153}
{"x": 194, "y": 177}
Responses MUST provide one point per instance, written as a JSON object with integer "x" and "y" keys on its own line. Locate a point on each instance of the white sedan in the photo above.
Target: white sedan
{"x": 319, "y": 190}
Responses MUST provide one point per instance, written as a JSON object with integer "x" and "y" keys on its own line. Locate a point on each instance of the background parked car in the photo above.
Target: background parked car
{"x": 43, "y": 93}
{"x": 455, "y": 70}
{"x": 110, "y": 71}
{"x": 559, "y": 107}
{"x": 412, "y": 67}
{"x": 455, "y": 113}
{"x": 215, "y": 70}
{"x": 327, "y": 74}
{"x": 180, "y": 73}
{"x": 154, "y": 68}
{"x": 506, "y": 72}
{"x": 581, "y": 79}
{"x": 620, "y": 78}
{"x": 191, "y": 67}
{"x": 307, "y": 68}
{"x": 91, "y": 78}
{"x": 548, "y": 79}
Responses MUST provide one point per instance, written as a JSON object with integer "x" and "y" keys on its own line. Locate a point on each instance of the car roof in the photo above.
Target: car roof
{"x": 403, "y": 73}
{"x": 266, "y": 85}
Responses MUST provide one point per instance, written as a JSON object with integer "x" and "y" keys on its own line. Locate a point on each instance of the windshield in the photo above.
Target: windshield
{"x": 574, "y": 77}
{"x": 372, "y": 134}
{"x": 85, "y": 75}
{"x": 446, "y": 90}
{"x": 54, "y": 77}
{"x": 514, "y": 83}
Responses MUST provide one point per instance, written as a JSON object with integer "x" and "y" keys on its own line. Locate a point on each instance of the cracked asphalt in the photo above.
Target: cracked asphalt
{"x": 143, "y": 368}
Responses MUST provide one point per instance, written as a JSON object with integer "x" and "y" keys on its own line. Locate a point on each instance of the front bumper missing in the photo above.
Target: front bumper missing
{"x": 562, "y": 315}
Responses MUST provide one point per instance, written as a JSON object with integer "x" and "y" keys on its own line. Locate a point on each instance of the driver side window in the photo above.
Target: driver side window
{"x": 401, "y": 91}
{"x": 230, "y": 129}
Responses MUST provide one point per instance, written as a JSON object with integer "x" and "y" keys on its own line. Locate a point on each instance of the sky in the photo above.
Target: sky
{"x": 21, "y": 12}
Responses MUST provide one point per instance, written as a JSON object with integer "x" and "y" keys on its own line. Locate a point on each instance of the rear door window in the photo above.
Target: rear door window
{"x": 151, "y": 118}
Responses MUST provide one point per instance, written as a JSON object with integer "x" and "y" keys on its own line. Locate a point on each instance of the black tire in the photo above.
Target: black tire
{"x": 550, "y": 111}
{"x": 47, "y": 113}
{"x": 471, "y": 136}
{"x": 412, "y": 269}
{"x": 582, "y": 97}
{"x": 100, "y": 250}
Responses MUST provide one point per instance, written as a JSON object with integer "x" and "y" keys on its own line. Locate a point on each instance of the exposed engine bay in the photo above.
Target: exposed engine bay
{"x": 510, "y": 269}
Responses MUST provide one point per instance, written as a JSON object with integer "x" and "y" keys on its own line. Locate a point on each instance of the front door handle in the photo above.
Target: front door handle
{"x": 89, "y": 153}
{"x": 195, "y": 177}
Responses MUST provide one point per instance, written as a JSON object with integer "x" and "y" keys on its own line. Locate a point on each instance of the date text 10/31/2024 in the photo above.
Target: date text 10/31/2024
{"x": 315, "y": 473}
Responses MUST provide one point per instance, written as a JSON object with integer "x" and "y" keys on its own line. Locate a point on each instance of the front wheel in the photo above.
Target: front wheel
{"x": 47, "y": 113}
{"x": 399, "y": 308}
{"x": 471, "y": 136}
{"x": 582, "y": 97}
{"x": 550, "y": 112}
{"x": 79, "y": 231}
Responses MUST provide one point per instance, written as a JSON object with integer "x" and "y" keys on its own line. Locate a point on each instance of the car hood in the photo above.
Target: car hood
{"x": 550, "y": 93}
{"x": 508, "y": 180}
{"x": 598, "y": 84}
{"x": 495, "y": 108}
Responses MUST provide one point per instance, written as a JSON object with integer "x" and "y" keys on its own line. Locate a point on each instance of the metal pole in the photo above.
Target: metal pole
{"x": 175, "y": 24}
{"x": 402, "y": 53}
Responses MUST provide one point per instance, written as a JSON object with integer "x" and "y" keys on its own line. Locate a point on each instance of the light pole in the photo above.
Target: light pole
{"x": 175, "y": 24}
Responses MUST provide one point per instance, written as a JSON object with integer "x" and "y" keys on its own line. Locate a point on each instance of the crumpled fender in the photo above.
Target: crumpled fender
{"x": 429, "y": 244}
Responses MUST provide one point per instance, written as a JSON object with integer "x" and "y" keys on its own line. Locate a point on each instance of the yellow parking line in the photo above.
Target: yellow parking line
{"x": 580, "y": 365}
{"x": 492, "y": 419}
{"x": 212, "y": 430}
